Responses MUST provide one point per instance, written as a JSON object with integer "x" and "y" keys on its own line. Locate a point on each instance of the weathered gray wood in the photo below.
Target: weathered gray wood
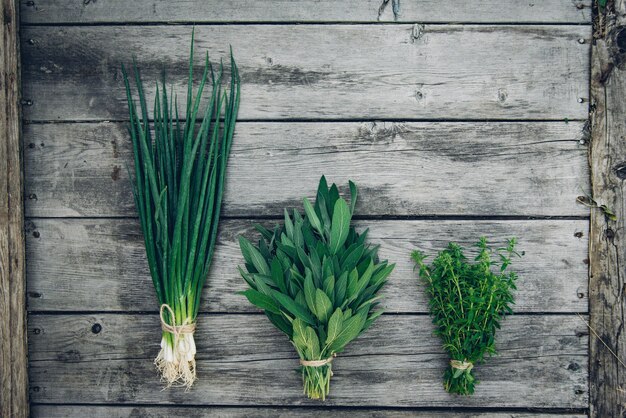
{"x": 242, "y": 360}
{"x": 608, "y": 242}
{"x": 323, "y": 72}
{"x": 77, "y": 265}
{"x": 13, "y": 349}
{"x": 425, "y": 11}
{"x": 75, "y": 411}
{"x": 401, "y": 168}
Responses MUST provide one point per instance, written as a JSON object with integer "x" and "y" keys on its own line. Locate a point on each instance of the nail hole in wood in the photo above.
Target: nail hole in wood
{"x": 36, "y": 234}
{"x": 96, "y": 328}
{"x": 573, "y": 367}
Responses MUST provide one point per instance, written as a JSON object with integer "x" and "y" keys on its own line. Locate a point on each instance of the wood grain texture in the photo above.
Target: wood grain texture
{"x": 323, "y": 71}
{"x": 99, "y": 265}
{"x": 608, "y": 240}
{"x": 13, "y": 349}
{"x": 400, "y": 168}
{"x": 231, "y": 11}
{"x": 542, "y": 363}
{"x": 77, "y": 411}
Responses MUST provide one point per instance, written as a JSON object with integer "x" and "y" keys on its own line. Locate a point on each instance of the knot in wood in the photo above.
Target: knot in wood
{"x": 617, "y": 46}
{"x": 620, "y": 171}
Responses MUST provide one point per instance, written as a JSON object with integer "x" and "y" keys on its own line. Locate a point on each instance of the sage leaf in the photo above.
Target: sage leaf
{"x": 340, "y": 226}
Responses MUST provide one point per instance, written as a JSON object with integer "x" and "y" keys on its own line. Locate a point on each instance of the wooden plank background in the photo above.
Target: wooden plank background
{"x": 608, "y": 87}
{"x": 408, "y": 169}
{"x": 13, "y": 347}
{"x": 65, "y": 266}
{"x": 455, "y": 119}
{"x": 323, "y": 71}
{"x": 237, "y": 11}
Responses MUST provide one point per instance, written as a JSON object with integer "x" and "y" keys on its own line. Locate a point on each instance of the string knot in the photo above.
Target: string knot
{"x": 317, "y": 363}
{"x": 461, "y": 365}
{"x": 187, "y": 327}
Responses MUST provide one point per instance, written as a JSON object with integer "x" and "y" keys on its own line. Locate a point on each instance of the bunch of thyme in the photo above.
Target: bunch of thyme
{"x": 467, "y": 302}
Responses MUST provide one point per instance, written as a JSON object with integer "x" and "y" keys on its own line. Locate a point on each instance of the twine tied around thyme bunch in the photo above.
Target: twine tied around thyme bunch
{"x": 461, "y": 365}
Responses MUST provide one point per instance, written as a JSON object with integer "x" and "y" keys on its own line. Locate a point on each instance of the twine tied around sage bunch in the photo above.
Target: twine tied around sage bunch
{"x": 318, "y": 363}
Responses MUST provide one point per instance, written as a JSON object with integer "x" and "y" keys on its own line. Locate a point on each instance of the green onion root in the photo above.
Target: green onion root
{"x": 176, "y": 361}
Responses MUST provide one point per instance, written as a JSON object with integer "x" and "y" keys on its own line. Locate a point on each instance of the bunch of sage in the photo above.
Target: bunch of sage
{"x": 467, "y": 302}
{"x": 180, "y": 169}
{"x": 317, "y": 280}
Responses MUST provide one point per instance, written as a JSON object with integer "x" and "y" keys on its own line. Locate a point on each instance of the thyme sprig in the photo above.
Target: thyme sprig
{"x": 467, "y": 303}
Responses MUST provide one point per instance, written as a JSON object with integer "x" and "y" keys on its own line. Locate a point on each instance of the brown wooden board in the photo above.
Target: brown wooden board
{"x": 315, "y": 72}
{"x": 472, "y": 168}
{"x": 608, "y": 243}
{"x": 237, "y": 11}
{"x": 77, "y": 411}
{"x": 243, "y": 360}
{"x": 13, "y": 349}
{"x": 91, "y": 264}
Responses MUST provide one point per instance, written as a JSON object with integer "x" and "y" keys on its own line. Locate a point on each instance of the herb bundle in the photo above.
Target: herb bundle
{"x": 317, "y": 280}
{"x": 467, "y": 302}
{"x": 179, "y": 181}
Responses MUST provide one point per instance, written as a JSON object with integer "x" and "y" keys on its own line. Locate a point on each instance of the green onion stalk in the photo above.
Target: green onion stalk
{"x": 180, "y": 168}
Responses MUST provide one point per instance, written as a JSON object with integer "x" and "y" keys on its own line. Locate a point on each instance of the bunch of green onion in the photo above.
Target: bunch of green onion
{"x": 180, "y": 167}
